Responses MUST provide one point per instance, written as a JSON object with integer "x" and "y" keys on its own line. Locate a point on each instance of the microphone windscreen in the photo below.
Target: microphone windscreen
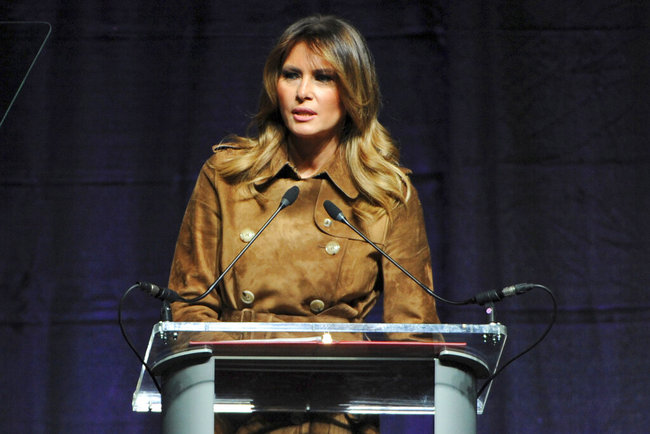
{"x": 333, "y": 211}
{"x": 290, "y": 196}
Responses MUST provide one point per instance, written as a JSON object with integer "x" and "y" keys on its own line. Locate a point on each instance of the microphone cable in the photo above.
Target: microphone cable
{"x": 128, "y": 340}
{"x": 498, "y": 371}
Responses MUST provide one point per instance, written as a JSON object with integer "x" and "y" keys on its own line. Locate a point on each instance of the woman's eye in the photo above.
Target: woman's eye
{"x": 324, "y": 78}
{"x": 290, "y": 75}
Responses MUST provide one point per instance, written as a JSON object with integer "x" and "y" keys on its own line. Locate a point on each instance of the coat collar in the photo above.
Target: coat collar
{"x": 336, "y": 170}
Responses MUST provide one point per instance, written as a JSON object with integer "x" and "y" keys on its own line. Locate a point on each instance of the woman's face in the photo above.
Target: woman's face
{"x": 309, "y": 98}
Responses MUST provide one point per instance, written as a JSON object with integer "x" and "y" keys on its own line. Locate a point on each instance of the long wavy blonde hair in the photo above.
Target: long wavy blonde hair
{"x": 367, "y": 147}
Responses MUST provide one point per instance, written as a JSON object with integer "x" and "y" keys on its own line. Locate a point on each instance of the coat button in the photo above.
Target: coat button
{"x": 247, "y": 297}
{"x": 317, "y": 305}
{"x": 327, "y": 223}
{"x": 332, "y": 248}
{"x": 246, "y": 235}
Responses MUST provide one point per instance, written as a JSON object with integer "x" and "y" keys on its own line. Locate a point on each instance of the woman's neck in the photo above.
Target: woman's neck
{"x": 310, "y": 157}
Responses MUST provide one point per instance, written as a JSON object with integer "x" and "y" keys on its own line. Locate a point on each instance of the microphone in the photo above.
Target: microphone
{"x": 480, "y": 299}
{"x": 289, "y": 197}
{"x": 335, "y": 213}
{"x": 171, "y": 296}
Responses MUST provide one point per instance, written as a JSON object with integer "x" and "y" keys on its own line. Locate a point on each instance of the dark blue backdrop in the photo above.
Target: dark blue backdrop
{"x": 526, "y": 125}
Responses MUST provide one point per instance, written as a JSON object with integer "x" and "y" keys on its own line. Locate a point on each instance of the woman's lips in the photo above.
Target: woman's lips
{"x": 303, "y": 114}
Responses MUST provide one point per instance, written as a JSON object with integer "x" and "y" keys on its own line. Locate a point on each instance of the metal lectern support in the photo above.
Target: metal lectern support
{"x": 455, "y": 395}
{"x": 455, "y": 391}
{"x": 188, "y": 396}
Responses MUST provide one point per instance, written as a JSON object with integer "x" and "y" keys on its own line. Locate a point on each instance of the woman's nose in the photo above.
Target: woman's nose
{"x": 304, "y": 90}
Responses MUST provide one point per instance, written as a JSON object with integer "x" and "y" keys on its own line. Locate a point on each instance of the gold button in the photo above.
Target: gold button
{"x": 246, "y": 235}
{"x": 327, "y": 223}
{"x": 247, "y": 297}
{"x": 332, "y": 248}
{"x": 317, "y": 306}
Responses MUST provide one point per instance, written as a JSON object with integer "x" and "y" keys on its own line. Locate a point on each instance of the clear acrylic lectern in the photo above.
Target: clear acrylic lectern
{"x": 361, "y": 368}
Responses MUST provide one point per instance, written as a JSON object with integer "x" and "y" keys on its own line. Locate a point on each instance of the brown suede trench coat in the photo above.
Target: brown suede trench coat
{"x": 304, "y": 267}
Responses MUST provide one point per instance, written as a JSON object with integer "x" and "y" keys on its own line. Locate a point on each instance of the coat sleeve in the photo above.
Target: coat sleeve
{"x": 406, "y": 242}
{"x": 195, "y": 264}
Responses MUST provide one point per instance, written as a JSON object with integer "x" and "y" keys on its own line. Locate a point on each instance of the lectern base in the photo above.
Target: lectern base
{"x": 455, "y": 396}
{"x": 188, "y": 396}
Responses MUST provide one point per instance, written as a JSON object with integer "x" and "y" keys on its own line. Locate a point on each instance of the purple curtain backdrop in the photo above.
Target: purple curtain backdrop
{"x": 526, "y": 125}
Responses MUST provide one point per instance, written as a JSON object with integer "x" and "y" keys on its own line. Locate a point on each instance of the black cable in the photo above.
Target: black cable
{"x": 128, "y": 341}
{"x": 491, "y": 378}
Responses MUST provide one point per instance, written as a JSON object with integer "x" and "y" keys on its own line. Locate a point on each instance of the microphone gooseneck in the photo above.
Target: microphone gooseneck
{"x": 480, "y": 299}
{"x": 338, "y": 215}
{"x": 170, "y": 295}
